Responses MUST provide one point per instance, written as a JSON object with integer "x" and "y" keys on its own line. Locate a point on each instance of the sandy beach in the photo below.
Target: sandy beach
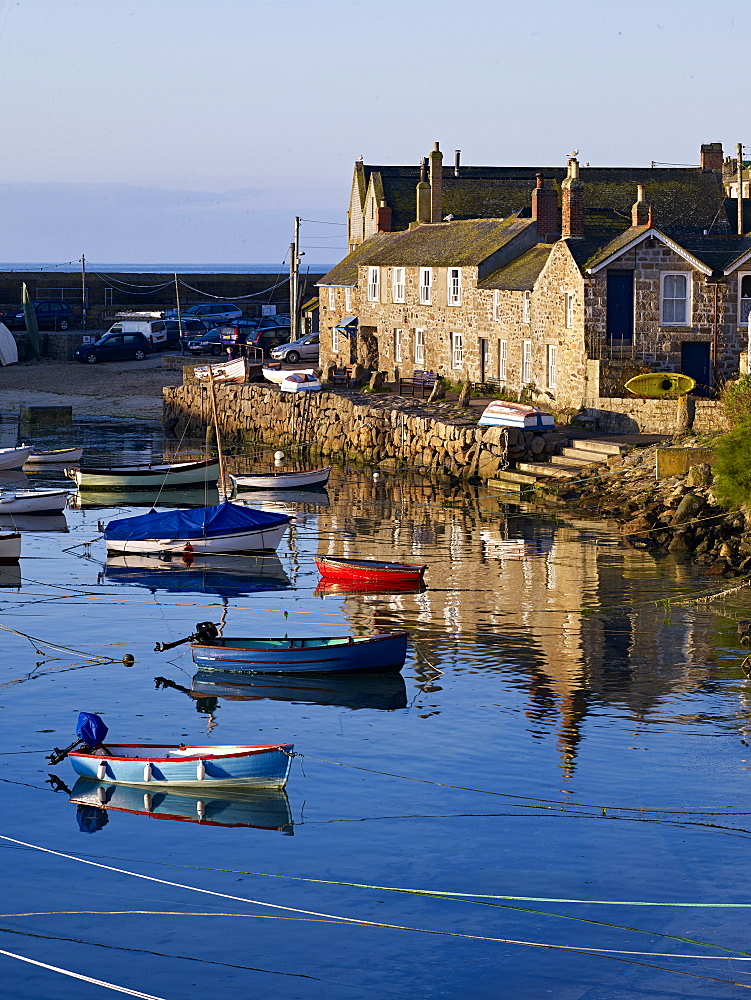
{"x": 115, "y": 389}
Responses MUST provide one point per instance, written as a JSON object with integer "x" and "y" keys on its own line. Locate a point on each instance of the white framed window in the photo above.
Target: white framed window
{"x": 526, "y": 303}
{"x": 675, "y": 298}
{"x": 527, "y": 362}
{"x": 335, "y": 341}
{"x": 496, "y": 305}
{"x": 552, "y": 356}
{"x": 455, "y": 286}
{"x": 397, "y": 284}
{"x": 502, "y": 359}
{"x": 374, "y": 284}
{"x": 426, "y": 286}
{"x": 332, "y": 298}
{"x": 457, "y": 350}
{"x": 397, "y": 345}
{"x": 419, "y": 347}
{"x": 569, "y": 307}
{"x": 348, "y": 299}
{"x": 744, "y": 298}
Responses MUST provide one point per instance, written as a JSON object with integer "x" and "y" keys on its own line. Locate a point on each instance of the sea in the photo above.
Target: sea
{"x": 551, "y": 798}
{"x": 74, "y": 266}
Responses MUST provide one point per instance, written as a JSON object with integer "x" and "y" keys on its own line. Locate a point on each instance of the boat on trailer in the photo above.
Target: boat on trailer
{"x": 183, "y": 765}
{"x": 383, "y": 652}
{"x": 57, "y": 457}
{"x": 14, "y": 458}
{"x": 164, "y": 475}
{"x": 226, "y": 527}
{"x": 339, "y": 568}
{"x": 280, "y": 480}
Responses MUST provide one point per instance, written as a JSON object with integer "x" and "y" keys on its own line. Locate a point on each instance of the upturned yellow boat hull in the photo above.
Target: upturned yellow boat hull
{"x": 661, "y": 385}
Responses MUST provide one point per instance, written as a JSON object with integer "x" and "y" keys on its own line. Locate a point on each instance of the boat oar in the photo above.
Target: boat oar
{"x": 205, "y": 633}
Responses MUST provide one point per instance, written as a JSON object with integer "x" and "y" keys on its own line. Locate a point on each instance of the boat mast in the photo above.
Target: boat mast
{"x": 222, "y": 494}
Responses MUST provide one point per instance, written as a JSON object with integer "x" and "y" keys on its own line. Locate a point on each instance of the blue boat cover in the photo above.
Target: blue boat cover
{"x": 196, "y": 522}
{"x": 90, "y": 728}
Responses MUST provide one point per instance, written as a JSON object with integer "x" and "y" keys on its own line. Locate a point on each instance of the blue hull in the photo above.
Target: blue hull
{"x": 164, "y": 765}
{"x": 346, "y": 654}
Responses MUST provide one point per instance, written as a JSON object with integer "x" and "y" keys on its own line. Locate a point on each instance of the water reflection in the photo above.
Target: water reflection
{"x": 33, "y": 522}
{"x": 227, "y": 576}
{"x": 262, "y": 809}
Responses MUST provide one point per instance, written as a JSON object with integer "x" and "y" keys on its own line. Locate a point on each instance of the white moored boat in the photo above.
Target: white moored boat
{"x": 10, "y": 547}
{"x": 281, "y": 480}
{"x": 229, "y": 371}
{"x": 57, "y": 457}
{"x": 14, "y": 458}
{"x": 32, "y": 501}
{"x": 143, "y": 477}
{"x": 225, "y": 527}
{"x": 300, "y": 382}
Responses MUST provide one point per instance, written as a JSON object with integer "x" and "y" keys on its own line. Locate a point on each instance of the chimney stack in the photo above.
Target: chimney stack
{"x": 572, "y": 206}
{"x": 423, "y": 194}
{"x": 457, "y": 157}
{"x": 545, "y": 211}
{"x": 436, "y": 184}
{"x": 383, "y": 218}
{"x": 711, "y": 156}
{"x": 640, "y": 209}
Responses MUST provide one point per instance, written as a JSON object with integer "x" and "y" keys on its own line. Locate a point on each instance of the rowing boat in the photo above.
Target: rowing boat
{"x": 32, "y": 501}
{"x": 280, "y": 480}
{"x": 57, "y": 457}
{"x": 14, "y": 458}
{"x": 337, "y": 568}
{"x": 165, "y": 475}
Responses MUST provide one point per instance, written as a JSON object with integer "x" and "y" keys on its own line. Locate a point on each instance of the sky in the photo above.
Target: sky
{"x": 194, "y": 131}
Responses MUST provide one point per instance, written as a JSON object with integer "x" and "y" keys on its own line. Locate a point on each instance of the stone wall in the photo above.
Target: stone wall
{"x": 654, "y": 416}
{"x": 354, "y": 427}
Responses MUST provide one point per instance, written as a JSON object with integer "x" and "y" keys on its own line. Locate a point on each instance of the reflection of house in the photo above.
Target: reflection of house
{"x": 546, "y": 285}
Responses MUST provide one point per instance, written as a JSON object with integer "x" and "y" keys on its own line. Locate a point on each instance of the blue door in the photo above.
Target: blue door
{"x": 695, "y": 362}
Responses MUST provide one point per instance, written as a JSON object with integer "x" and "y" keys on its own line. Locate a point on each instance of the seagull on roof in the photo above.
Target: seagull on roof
{"x": 572, "y": 155}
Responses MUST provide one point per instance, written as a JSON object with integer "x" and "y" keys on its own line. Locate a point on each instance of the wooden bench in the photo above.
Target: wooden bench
{"x": 341, "y": 376}
{"x": 489, "y": 385}
{"x": 420, "y": 381}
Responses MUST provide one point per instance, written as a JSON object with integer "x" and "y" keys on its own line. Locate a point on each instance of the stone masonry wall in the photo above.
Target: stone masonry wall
{"x": 353, "y": 427}
{"x": 654, "y": 416}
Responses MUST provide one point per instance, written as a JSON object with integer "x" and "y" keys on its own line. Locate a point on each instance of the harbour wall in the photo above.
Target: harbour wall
{"x": 355, "y": 427}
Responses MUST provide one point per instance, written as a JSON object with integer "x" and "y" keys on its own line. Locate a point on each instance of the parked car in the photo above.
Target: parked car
{"x": 51, "y": 314}
{"x": 305, "y": 347}
{"x": 114, "y": 347}
{"x": 212, "y": 313}
{"x": 209, "y": 343}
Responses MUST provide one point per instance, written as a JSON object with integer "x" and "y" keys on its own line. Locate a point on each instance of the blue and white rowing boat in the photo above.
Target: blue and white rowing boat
{"x": 184, "y": 766}
{"x": 501, "y": 413}
{"x": 353, "y": 653}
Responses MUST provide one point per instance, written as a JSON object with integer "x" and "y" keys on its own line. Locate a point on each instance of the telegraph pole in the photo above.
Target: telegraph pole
{"x": 740, "y": 187}
{"x": 294, "y": 281}
{"x": 179, "y": 317}
{"x": 83, "y": 292}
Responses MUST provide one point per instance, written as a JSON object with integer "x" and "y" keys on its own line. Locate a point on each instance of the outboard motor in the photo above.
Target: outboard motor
{"x": 90, "y": 730}
{"x": 206, "y": 633}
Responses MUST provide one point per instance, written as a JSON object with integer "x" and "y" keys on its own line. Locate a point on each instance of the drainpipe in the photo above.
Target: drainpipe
{"x": 714, "y": 337}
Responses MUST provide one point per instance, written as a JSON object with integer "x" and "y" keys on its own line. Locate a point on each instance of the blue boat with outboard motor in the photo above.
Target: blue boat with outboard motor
{"x": 184, "y": 765}
{"x": 385, "y": 651}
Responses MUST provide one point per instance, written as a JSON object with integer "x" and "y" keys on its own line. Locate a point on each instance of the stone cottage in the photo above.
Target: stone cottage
{"x": 561, "y": 300}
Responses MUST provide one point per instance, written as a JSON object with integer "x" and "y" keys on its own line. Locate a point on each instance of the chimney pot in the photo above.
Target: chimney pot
{"x": 457, "y": 157}
{"x": 436, "y": 148}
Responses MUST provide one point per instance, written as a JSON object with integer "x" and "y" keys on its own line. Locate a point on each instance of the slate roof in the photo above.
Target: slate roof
{"x": 522, "y": 273}
{"x": 445, "y": 244}
{"x": 684, "y": 197}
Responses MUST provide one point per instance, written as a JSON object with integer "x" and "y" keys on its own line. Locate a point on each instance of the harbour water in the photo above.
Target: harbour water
{"x": 563, "y": 746}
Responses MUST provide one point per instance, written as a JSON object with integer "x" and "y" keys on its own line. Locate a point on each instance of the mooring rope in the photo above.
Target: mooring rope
{"x": 78, "y": 975}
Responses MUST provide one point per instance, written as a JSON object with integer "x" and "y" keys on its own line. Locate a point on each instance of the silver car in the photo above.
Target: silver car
{"x": 305, "y": 347}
